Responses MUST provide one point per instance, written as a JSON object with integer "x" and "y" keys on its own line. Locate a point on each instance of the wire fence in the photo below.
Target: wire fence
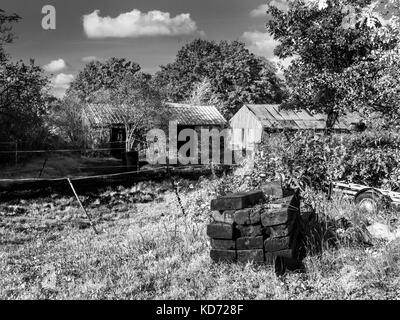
{"x": 55, "y": 163}
{"x": 14, "y": 153}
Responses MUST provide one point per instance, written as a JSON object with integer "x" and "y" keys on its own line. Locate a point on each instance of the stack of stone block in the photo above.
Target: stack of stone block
{"x": 256, "y": 227}
{"x": 281, "y": 220}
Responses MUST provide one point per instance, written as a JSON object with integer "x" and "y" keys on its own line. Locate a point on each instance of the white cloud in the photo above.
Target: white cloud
{"x": 260, "y": 43}
{"x": 89, "y": 59}
{"x": 136, "y": 24}
{"x": 263, "y": 44}
{"x": 60, "y": 83}
{"x": 55, "y": 66}
{"x": 261, "y": 10}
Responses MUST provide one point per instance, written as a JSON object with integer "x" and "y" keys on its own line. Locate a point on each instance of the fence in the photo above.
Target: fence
{"x": 89, "y": 183}
{"x": 15, "y": 153}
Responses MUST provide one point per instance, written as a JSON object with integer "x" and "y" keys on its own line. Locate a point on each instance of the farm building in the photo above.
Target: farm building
{"x": 105, "y": 126}
{"x": 252, "y": 122}
{"x": 107, "y": 122}
{"x": 195, "y": 117}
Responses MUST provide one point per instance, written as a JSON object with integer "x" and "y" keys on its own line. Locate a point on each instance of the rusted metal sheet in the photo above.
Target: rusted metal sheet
{"x": 106, "y": 115}
{"x": 190, "y": 115}
{"x": 272, "y": 116}
{"x": 103, "y": 115}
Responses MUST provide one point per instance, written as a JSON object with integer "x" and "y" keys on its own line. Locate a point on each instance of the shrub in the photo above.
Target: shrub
{"x": 306, "y": 158}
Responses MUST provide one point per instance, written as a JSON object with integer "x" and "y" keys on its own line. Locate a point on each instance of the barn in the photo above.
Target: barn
{"x": 106, "y": 122}
{"x": 196, "y": 118}
{"x": 105, "y": 127}
{"x": 254, "y": 121}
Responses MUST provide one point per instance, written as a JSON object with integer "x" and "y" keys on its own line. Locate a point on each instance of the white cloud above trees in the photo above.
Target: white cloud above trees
{"x": 263, "y": 44}
{"x": 260, "y": 43}
{"x": 55, "y": 66}
{"x": 60, "y": 83}
{"x": 136, "y": 24}
{"x": 261, "y": 10}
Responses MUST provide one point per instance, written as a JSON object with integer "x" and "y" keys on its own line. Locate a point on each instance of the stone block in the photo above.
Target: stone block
{"x": 249, "y": 231}
{"x": 237, "y": 201}
{"x": 277, "y": 244}
{"x": 248, "y": 243}
{"x": 248, "y": 216}
{"x": 279, "y": 231}
{"x": 292, "y": 201}
{"x": 222, "y": 244}
{"x": 223, "y": 216}
{"x": 273, "y": 217}
{"x": 220, "y": 231}
{"x": 223, "y": 255}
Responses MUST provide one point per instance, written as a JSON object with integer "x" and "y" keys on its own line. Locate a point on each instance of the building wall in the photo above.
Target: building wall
{"x": 209, "y": 144}
{"x": 161, "y": 147}
{"x": 247, "y": 129}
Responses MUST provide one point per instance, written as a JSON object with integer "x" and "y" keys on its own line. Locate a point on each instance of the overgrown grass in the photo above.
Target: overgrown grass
{"x": 151, "y": 251}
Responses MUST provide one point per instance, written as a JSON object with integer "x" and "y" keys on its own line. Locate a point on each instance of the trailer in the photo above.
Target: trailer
{"x": 369, "y": 199}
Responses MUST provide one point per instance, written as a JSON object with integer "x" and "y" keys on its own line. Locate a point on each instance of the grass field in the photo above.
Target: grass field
{"x": 150, "y": 250}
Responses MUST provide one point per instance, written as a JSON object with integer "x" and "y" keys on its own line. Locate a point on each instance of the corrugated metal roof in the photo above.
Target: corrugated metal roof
{"x": 190, "y": 115}
{"x": 272, "y": 116}
{"x": 105, "y": 115}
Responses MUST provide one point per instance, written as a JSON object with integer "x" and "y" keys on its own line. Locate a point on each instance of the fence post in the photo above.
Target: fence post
{"x": 16, "y": 152}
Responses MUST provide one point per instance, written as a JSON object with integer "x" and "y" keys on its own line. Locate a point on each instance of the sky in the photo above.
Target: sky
{"x": 149, "y": 32}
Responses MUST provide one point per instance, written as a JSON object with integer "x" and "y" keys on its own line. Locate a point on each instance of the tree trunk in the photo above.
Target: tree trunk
{"x": 331, "y": 120}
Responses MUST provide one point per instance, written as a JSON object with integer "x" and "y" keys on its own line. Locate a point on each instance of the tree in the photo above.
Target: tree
{"x": 202, "y": 94}
{"x": 66, "y": 118}
{"x": 375, "y": 80}
{"x": 97, "y": 76}
{"x": 24, "y": 98}
{"x": 6, "y": 35}
{"x": 236, "y": 75}
{"x": 327, "y": 38}
{"x": 139, "y": 105}
{"x": 130, "y": 93}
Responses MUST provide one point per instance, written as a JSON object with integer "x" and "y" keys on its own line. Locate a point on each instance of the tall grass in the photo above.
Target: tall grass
{"x": 153, "y": 251}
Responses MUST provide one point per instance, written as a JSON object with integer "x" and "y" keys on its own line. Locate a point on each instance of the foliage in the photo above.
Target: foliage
{"x": 6, "y": 35}
{"x": 202, "y": 94}
{"x": 66, "y": 119}
{"x": 329, "y": 55}
{"x": 120, "y": 84}
{"x": 306, "y": 159}
{"x": 236, "y": 75}
{"x": 375, "y": 86}
{"x": 139, "y": 105}
{"x": 24, "y": 98}
{"x": 97, "y": 76}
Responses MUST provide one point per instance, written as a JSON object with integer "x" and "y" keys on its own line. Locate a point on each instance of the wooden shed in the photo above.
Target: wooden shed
{"x": 253, "y": 121}
{"x": 107, "y": 121}
{"x": 105, "y": 124}
{"x": 197, "y": 118}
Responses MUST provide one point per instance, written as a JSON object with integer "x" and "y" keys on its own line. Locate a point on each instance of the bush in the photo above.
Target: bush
{"x": 310, "y": 159}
